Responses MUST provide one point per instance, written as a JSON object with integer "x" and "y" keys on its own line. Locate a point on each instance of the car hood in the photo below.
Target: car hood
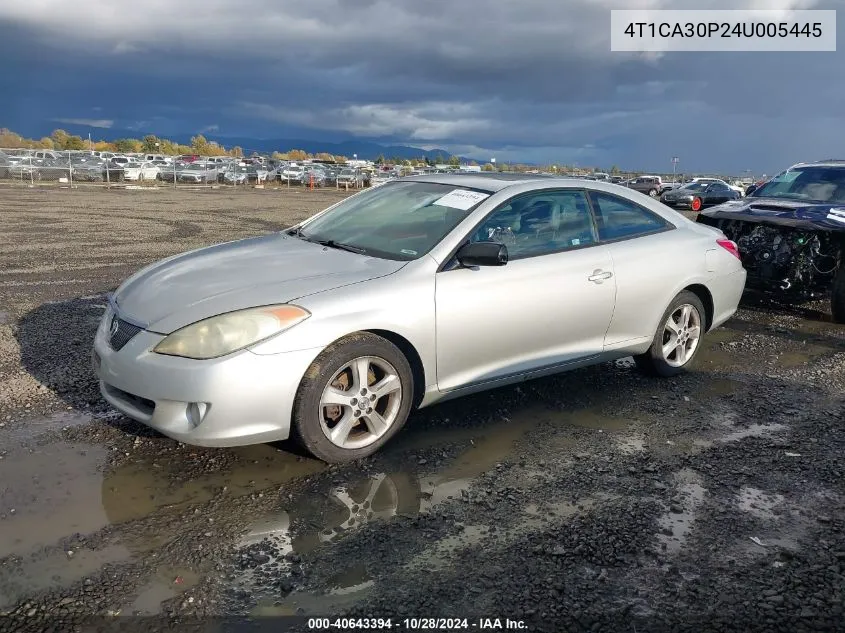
{"x": 678, "y": 193}
{"x": 793, "y": 213}
{"x": 266, "y": 270}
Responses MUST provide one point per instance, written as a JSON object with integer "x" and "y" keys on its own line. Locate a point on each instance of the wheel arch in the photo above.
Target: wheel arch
{"x": 414, "y": 360}
{"x": 703, "y": 293}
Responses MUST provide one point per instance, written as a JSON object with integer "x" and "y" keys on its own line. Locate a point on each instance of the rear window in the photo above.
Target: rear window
{"x": 813, "y": 184}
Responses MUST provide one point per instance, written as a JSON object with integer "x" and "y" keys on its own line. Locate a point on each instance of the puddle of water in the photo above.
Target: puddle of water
{"x": 755, "y": 430}
{"x": 676, "y": 524}
{"x": 594, "y": 419}
{"x": 346, "y": 588}
{"x": 56, "y": 570}
{"x": 321, "y": 519}
{"x": 758, "y": 502}
{"x": 384, "y": 495}
{"x": 32, "y": 428}
{"x": 442, "y": 553}
{"x": 497, "y": 437}
{"x": 54, "y": 491}
{"x": 139, "y": 489}
{"x": 630, "y": 445}
{"x": 716, "y": 387}
{"x": 791, "y": 360}
{"x": 351, "y": 580}
{"x": 162, "y": 587}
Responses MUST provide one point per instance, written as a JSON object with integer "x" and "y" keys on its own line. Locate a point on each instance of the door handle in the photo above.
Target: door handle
{"x": 599, "y": 276}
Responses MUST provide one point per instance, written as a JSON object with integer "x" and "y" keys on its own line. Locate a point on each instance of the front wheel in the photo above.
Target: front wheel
{"x": 696, "y": 204}
{"x": 356, "y": 395}
{"x": 677, "y": 339}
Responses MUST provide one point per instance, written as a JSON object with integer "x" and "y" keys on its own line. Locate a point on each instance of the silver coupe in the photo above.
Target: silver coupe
{"x": 404, "y": 295}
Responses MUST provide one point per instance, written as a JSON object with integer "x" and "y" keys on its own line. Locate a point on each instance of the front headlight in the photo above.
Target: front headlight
{"x": 227, "y": 333}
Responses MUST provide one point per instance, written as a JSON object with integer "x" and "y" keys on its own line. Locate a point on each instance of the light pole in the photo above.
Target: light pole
{"x": 675, "y": 160}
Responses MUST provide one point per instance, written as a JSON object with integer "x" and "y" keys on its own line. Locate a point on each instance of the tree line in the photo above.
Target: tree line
{"x": 152, "y": 144}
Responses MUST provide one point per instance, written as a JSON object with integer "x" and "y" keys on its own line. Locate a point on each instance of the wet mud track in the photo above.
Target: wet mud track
{"x": 599, "y": 500}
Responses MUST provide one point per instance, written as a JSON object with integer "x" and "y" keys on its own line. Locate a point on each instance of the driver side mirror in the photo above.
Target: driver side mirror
{"x": 482, "y": 254}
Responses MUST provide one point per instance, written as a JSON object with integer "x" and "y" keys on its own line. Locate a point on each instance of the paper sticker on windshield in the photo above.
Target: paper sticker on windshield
{"x": 461, "y": 199}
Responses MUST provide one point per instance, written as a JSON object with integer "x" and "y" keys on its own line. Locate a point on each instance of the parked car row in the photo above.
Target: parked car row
{"x": 99, "y": 167}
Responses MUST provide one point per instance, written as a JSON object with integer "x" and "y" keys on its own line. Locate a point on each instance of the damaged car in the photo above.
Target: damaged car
{"x": 790, "y": 232}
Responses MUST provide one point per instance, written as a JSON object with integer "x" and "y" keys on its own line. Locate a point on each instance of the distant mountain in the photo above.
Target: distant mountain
{"x": 365, "y": 149}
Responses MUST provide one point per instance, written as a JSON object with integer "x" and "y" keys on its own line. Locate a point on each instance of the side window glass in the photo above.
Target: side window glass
{"x": 540, "y": 223}
{"x": 618, "y": 218}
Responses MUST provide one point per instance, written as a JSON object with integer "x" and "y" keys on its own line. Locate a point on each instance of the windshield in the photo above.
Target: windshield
{"x": 400, "y": 221}
{"x": 696, "y": 186}
{"x": 813, "y": 184}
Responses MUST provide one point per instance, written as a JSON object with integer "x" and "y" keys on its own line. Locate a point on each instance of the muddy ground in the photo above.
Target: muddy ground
{"x": 599, "y": 500}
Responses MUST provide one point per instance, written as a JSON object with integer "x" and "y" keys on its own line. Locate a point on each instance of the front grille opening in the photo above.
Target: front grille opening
{"x": 122, "y": 333}
{"x": 143, "y": 405}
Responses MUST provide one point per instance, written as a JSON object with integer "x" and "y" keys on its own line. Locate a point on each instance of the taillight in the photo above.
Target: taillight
{"x": 730, "y": 246}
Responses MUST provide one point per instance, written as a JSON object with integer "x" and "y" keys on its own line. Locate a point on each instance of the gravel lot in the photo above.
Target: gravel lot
{"x": 599, "y": 500}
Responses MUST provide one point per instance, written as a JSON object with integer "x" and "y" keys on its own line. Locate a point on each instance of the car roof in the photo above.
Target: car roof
{"x": 485, "y": 181}
{"x": 827, "y": 162}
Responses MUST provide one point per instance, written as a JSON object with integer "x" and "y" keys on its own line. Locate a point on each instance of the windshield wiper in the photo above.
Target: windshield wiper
{"x": 341, "y": 246}
{"x": 297, "y": 232}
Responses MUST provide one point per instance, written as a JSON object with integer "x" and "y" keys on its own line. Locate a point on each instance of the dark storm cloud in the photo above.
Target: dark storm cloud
{"x": 532, "y": 79}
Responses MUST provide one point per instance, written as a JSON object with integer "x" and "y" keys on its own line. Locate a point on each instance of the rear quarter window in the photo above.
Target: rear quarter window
{"x": 619, "y": 218}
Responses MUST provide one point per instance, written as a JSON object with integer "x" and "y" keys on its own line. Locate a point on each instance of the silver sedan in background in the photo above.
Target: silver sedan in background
{"x": 404, "y": 295}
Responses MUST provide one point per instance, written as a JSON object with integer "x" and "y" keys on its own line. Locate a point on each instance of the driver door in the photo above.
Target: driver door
{"x": 717, "y": 193}
{"x": 551, "y": 304}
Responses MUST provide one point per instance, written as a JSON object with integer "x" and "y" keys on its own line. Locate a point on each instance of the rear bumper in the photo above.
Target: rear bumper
{"x": 727, "y": 292}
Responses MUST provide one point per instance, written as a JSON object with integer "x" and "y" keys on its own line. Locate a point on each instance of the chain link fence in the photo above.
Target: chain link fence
{"x": 73, "y": 169}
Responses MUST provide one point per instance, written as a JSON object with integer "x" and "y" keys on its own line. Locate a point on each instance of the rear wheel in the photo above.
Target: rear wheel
{"x": 696, "y": 204}
{"x": 356, "y": 395}
{"x": 837, "y": 295}
{"x": 652, "y": 193}
{"x": 677, "y": 339}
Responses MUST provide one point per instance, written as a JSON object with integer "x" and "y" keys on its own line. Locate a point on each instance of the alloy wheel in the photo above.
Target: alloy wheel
{"x": 681, "y": 335}
{"x": 361, "y": 402}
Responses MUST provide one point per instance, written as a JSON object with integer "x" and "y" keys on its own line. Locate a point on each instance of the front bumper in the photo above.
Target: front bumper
{"x": 677, "y": 204}
{"x": 248, "y": 397}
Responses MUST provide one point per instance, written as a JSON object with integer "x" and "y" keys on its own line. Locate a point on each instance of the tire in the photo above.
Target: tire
{"x": 652, "y": 193}
{"x": 313, "y": 419}
{"x": 654, "y": 361}
{"x": 696, "y": 204}
{"x": 837, "y": 295}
